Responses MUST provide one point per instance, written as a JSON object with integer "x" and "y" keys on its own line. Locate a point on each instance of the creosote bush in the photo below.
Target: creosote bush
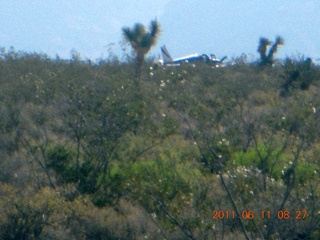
{"x": 87, "y": 154}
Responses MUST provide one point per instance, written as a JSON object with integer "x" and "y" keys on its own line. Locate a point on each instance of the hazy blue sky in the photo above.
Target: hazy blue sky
{"x": 223, "y": 27}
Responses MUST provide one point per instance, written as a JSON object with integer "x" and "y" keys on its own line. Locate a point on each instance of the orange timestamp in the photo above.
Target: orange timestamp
{"x": 264, "y": 214}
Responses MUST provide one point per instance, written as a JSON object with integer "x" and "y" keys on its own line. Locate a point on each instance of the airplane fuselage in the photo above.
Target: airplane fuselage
{"x": 193, "y": 58}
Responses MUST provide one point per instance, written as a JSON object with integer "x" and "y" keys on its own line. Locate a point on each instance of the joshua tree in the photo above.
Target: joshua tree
{"x": 267, "y": 59}
{"x": 141, "y": 40}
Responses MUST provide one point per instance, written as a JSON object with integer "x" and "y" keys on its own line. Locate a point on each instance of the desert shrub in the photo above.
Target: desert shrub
{"x": 123, "y": 162}
{"x": 255, "y": 157}
{"x": 25, "y": 215}
{"x": 298, "y": 74}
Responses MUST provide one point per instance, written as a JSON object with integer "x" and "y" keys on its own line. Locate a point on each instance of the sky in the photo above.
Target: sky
{"x": 221, "y": 27}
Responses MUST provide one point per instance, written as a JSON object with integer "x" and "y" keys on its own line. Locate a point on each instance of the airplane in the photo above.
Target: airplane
{"x": 167, "y": 60}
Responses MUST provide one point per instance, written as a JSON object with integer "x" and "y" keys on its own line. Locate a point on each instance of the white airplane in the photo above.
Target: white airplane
{"x": 169, "y": 61}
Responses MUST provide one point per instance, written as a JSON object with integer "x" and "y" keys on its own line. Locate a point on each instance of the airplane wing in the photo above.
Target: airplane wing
{"x": 187, "y": 58}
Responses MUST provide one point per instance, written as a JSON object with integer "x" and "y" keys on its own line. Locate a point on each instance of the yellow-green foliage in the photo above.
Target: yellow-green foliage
{"x": 273, "y": 159}
{"x": 89, "y": 152}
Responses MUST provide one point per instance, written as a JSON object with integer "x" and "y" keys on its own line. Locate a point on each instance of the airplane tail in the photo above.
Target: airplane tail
{"x": 165, "y": 55}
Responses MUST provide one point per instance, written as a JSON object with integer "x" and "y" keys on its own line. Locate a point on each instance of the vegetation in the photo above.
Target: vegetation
{"x": 142, "y": 40}
{"x": 206, "y": 153}
{"x": 268, "y": 59}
